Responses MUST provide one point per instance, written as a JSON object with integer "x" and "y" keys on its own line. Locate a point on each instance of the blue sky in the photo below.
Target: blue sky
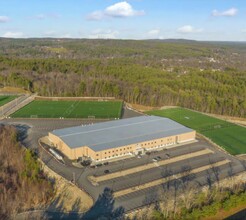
{"x": 223, "y": 20}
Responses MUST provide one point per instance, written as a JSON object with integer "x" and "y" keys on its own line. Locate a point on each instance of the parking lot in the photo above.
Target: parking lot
{"x": 211, "y": 166}
{"x": 132, "y": 175}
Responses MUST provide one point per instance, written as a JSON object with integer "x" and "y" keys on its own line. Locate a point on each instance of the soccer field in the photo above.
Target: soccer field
{"x": 227, "y": 135}
{"x": 6, "y": 99}
{"x": 70, "y": 109}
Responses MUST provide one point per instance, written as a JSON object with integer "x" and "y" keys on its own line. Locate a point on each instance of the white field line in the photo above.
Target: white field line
{"x": 167, "y": 179}
{"x": 148, "y": 166}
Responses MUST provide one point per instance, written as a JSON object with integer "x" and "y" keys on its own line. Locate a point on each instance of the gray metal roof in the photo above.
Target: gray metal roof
{"x": 118, "y": 133}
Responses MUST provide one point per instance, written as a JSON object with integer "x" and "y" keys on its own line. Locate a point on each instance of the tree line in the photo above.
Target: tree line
{"x": 208, "y": 77}
{"x": 23, "y": 185}
{"x": 221, "y": 92}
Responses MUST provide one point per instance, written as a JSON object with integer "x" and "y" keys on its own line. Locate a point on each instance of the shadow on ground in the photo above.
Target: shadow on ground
{"x": 103, "y": 209}
{"x": 238, "y": 216}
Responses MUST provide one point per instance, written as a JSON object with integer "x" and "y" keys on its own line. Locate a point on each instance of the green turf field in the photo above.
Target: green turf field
{"x": 229, "y": 136}
{"x": 70, "y": 109}
{"x": 6, "y": 99}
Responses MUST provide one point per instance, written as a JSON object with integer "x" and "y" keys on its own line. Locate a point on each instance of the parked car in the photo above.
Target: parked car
{"x": 85, "y": 163}
{"x": 105, "y": 163}
{"x": 106, "y": 171}
{"x": 99, "y": 164}
{"x": 158, "y": 157}
{"x": 139, "y": 156}
{"x": 79, "y": 159}
{"x": 154, "y": 159}
{"x": 93, "y": 166}
{"x": 148, "y": 152}
{"x": 168, "y": 156}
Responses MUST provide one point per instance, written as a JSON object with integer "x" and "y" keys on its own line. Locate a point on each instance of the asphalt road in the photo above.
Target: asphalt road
{"x": 32, "y": 129}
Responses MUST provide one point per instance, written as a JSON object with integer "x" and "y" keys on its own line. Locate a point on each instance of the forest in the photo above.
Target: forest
{"x": 204, "y": 76}
{"x": 23, "y": 185}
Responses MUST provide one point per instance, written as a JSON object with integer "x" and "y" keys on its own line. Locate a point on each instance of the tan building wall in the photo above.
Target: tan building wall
{"x": 122, "y": 150}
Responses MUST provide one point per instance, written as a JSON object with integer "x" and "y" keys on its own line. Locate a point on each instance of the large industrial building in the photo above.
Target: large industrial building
{"x": 107, "y": 140}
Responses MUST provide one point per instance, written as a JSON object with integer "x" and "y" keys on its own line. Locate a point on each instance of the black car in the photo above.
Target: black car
{"x": 106, "y": 171}
{"x": 99, "y": 164}
{"x": 105, "y": 163}
{"x": 158, "y": 157}
{"x": 86, "y": 163}
{"x": 93, "y": 166}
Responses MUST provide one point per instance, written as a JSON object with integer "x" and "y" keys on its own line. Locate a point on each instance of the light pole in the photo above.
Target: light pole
{"x": 147, "y": 159}
{"x": 122, "y": 165}
{"x": 140, "y": 178}
{"x": 113, "y": 184}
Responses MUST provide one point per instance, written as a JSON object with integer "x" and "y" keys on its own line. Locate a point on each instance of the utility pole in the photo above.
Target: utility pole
{"x": 74, "y": 181}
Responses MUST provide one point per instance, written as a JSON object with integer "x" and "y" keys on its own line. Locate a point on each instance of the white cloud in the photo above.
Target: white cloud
{"x": 66, "y": 36}
{"x": 55, "y": 34}
{"x": 13, "y": 34}
{"x": 228, "y": 13}
{"x": 96, "y": 15}
{"x": 45, "y": 16}
{"x": 189, "y": 29}
{"x": 50, "y": 34}
{"x": 107, "y": 34}
{"x": 154, "y": 32}
{"x": 4, "y": 19}
{"x": 120, "y": 10}
{"x": 40, "y": 16}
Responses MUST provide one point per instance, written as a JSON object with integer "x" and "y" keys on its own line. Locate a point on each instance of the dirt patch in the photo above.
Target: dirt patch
{"x": 235, "y": 120}
{"x": 141, "y": 108}
{"x": 168, "y": 107}
{"x": 77, "y": 98}
{"x": 68, "y": 197}
{"x": 225, "y": 214}
{"x": 242, "y": 156}
{"x": 13, "y": 90}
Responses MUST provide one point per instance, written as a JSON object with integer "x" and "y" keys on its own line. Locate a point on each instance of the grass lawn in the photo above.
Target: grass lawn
{"x": 6, "y": 99}
{"x": 229, "y": 136}
{"x": 70, "y": 109}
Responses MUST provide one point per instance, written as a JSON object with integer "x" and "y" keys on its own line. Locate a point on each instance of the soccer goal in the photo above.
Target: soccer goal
{"x": 34, "y": 116}
{"x": 91, "y": 117}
